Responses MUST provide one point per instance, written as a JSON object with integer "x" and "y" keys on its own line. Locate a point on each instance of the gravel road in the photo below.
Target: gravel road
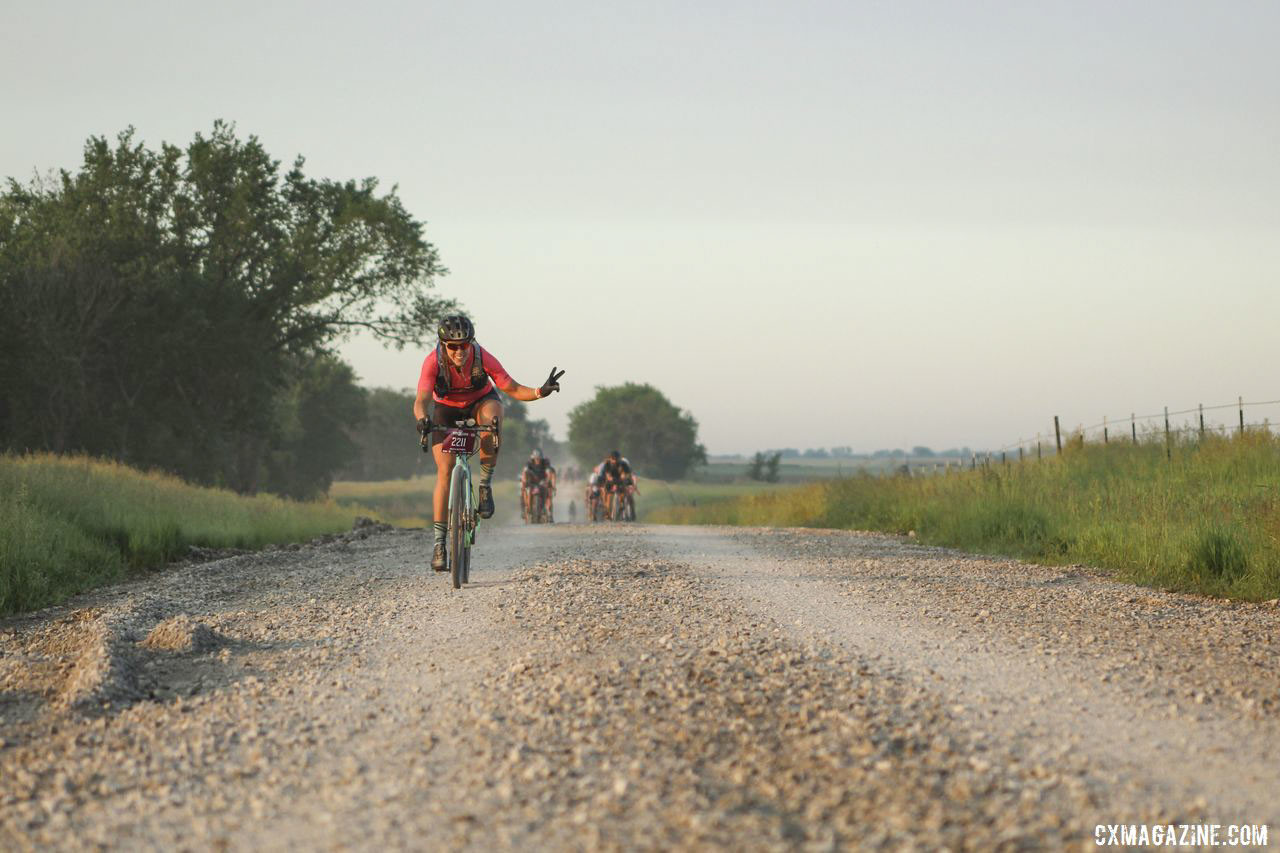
{"x": 631, "y": 687}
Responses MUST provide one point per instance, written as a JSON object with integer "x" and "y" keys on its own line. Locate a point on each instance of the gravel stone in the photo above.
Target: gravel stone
{"x": 624, "y": 687}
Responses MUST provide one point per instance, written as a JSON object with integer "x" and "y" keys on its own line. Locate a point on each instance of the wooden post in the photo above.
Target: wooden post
{"x": 1202, "y": 421}
{"x": 1039, "y": 452}
{"x": 1241, "y": 400}
{"x": 973, "y": 462}
{"x": 1003, "y": 460}
{"x": 1057, "y": 432}
{"x": 1105, "y": 438}
{"x": 1133, "y": 426}
{"x": 1019, "y": 452}
{"x": 1168, "y": 447}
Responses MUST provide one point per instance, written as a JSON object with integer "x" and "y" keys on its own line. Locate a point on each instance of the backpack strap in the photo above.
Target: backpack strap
{"x": 479, "y": 379}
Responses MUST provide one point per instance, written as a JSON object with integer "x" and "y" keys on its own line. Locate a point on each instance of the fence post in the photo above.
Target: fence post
{"x": 1106, "y": 439}
{"x": 1057, "y": 432}
{"x": 1202, "y": 421}
{"x": 1241, "y": 400}
{"x": 973, "y": 462}
{"x": 1039, "y": 453}
{"x": 1133, "y": 426}
{"x": 1019, "y": 452}
{"x": 1168, "y": 448}
{"x": 1003, "y": 460}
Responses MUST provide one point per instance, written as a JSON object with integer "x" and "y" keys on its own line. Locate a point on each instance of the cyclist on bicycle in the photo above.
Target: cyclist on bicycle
{"x": 457, "y": 382}
{"x": 615, "y": 476}
{"x": 537, "y": 470}
{"x": 593, "y": 495}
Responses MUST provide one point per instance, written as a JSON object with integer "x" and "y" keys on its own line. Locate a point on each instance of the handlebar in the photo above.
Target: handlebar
{"x": 469, "y": 425}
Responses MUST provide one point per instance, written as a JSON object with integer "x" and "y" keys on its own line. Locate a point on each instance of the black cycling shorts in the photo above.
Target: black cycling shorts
{"x": 441, "y": 415}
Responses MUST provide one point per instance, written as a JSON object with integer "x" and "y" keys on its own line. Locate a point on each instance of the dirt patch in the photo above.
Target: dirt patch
{"x": 183, "y": 634}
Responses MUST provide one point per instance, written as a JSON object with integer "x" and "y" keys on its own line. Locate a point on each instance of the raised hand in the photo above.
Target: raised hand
{"x": 552, "y": 384}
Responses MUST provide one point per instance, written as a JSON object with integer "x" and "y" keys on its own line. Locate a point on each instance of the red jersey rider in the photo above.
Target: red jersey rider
{"x": 457, "y": 382}
{"x": 538, "y": 470}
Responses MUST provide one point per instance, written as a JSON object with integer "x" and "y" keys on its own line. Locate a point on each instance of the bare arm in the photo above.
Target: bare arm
{"x": 523, "y": 393}
{"x": 420, "y": 405}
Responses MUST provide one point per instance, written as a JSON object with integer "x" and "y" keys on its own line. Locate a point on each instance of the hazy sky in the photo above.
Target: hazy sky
{"x": 809, "y": 223}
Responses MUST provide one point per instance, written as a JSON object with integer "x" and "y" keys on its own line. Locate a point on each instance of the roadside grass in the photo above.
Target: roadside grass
{"x": 70, "y": 523}
{"x": 1208, "y": 521}
{"x": 657, "y": 496}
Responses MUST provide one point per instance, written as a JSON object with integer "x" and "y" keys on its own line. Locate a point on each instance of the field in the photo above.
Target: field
{"x": 70, "y": 523}
{"x": 728, "y": 469}
{"x": 1206, "y": 521}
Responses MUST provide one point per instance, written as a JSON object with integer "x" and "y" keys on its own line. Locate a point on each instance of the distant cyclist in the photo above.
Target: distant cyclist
{"x": 616, "y": 478}
{"x": 594, "y": 495}
{"x": 457, "y": 382}
{"x": 538, "y": 471}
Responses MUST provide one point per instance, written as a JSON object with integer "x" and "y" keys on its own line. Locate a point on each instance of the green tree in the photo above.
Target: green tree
{"x": 659, "y": 439}
{"x": 755, "y": 471}
{"x": 157, "y": 306}
{"x": 313, "y": 420}
{"x": 771, "y": 468}
{"x": 387, "y": 445}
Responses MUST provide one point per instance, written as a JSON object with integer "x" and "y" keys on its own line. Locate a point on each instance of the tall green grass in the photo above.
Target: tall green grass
{"x": 1207, "y": 521}
{"x": 70, "y": 523}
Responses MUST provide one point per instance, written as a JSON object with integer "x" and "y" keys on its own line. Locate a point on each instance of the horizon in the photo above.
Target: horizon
{"x": 852, "y": 225}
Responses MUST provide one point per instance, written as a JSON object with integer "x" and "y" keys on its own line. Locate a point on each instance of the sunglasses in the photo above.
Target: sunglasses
{"x": 456, "y": 347}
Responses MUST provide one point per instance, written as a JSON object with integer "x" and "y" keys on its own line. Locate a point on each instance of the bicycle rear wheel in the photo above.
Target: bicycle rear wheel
{"x": 457, "y": 527}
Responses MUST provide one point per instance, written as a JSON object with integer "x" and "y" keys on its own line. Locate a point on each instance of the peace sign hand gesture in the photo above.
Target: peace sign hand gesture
{"x": 552, "y": 384}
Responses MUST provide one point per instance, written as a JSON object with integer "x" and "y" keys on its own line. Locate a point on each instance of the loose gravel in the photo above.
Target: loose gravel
{"x": 620, "y": 687}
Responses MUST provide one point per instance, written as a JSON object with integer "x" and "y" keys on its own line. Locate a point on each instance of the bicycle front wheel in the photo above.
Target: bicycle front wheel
{"x": 457, "y": 528}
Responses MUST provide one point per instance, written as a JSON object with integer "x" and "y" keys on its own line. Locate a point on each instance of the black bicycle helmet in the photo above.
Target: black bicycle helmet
{"x": 456, "y": 327}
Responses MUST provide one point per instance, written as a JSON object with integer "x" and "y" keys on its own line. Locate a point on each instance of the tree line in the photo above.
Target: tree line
{"x": 179, "y": 308}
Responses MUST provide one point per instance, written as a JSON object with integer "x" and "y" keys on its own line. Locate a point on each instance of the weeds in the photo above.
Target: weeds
{"x": 71, "y": 523}
{"x": 1206, "y": 521}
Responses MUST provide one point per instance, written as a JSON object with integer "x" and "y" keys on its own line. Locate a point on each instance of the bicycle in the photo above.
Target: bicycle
{"x": 537, "y": 513}
{"x": 627, "y": 494}
{"x": 595, "y": 504}
{"x": 463, "y": 441}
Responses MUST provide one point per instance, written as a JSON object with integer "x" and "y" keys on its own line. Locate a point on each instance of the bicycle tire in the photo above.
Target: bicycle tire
{"x": 457, "y": 530}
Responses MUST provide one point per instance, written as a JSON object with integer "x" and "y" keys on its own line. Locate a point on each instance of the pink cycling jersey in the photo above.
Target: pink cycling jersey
{"x": 460, "y": 394}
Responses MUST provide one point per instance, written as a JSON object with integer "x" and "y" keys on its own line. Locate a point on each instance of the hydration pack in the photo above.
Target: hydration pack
{"x": 479, "y": 379}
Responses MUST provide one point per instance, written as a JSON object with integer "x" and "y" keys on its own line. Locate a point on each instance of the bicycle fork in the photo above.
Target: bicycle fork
{"x": 462, "y": 470}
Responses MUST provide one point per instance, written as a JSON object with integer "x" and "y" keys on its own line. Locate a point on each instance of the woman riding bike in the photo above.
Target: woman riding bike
{"x": 457, "y": 381}
{"x": 538, "y": 471}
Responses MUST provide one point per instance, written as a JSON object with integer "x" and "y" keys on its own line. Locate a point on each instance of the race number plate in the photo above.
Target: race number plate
{"x": 459, "y": 441}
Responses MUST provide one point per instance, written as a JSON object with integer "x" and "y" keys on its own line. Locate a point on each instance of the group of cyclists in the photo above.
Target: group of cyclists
{"x": 610, "y": 493}
{"x": 611, "y": 489}
{"x": 459, "y": 381}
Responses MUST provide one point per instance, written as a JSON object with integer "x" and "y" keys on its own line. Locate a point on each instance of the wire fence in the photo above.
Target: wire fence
{"x": 1135, "y": 429}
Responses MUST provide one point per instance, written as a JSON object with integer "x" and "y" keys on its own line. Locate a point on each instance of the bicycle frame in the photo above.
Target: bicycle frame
{"x": 462, "y": 442}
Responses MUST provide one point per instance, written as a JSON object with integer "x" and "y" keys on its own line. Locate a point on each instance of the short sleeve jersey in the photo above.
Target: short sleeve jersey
{"x": 461, "y": 379}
